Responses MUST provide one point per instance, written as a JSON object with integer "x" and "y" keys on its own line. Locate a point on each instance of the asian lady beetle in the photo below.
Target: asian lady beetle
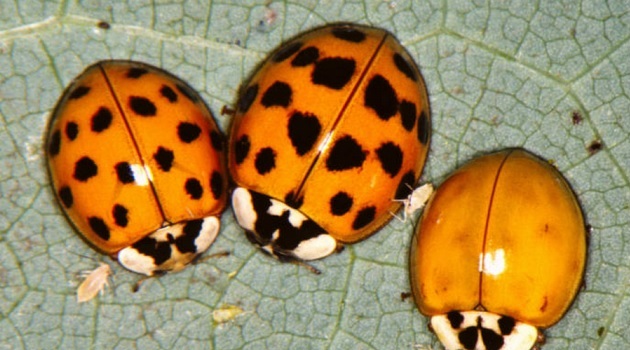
{"x": 499, "y": 252}
{"x": 328, "y": 131}
{"x": 136, "y": 161}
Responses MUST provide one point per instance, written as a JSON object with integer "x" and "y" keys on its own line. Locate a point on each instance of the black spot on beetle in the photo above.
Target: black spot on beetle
{"x": 278, "y": 94}
{"x": 304, "y": 129}
{"x": 101, "y": 120}
{"x": 407, "y": 114}
{"x": 349, "y": 34}
{"x": 164, "y": 158}
{"x": 193, "y": 188}
{"x": 186, "y": 242}
{"x": 79, "y": 92}
{"x": 54, "y": 145}
{"x": 391, "y": 157}
{"x": 216, "y": 139}
{"x": 124, "y": 173}
{"x": 158, "y": 250}
{"x": 216, "y": 184}
{"x": 286, "y": 51}
{"x": 405, "y": 67}
{"x": 72, "y": 131}
{"x": 381, "y": 97}
{"x": 265, "y": 160}
{"x": 364, "y": 217}
{"x": 469, "y": 337}
{"x": 142, "y": 106}
{"x": 506, "y": 325}
{"x": 345, "y": 154}
{"x": 136, "y": 72}
{"x": 84, "y": 169}
{"x": 340, "y": 203}
{"x": 119, "y": 213}
{"x": 405, "y": 186}
{"x": 188, "y": 132}
{"x": 305, "y": 57}
{"x": 334, "y": 72}
{"x": 455, "y": 318}
{"x": 247, "y": 98}
{"x": 491, "y": 340}
{"x": 168, "y": 93}
{"x": 291, "y": 200}
{"x": 241, "y": 149}
{"x": 99, "y": 227}
{"x": 65, "y": 194}
{"x": 424, "y": 127}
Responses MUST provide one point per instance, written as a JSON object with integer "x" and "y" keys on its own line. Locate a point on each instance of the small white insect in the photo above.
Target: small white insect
{"x": 93, "y": 283}
{"x": 32, "y": 145}
{"x": 415, "y": 201}
{"x": 226, "y": 313}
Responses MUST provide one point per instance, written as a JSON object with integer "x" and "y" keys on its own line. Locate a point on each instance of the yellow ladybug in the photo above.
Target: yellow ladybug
{"x": 499, "y": 252}
{"x": 329, "y": 132}
{"x": 136, "y": 161}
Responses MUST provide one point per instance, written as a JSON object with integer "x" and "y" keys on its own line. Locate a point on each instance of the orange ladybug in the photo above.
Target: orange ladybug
{"x": 136, "y": 161}
{"x": 331, "y": 129}
{"x": 499, "y": 253}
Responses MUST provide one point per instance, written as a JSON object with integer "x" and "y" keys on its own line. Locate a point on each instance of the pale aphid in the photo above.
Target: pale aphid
{"x": 415, "y": 200}
{"x": 226, "y": 313}
{"x": 93, "y": 283}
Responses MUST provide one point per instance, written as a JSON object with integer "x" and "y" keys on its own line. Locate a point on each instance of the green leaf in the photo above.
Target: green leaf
{"x": 499, "y": 73}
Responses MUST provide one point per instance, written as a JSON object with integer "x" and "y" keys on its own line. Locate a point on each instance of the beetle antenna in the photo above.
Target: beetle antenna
{"x": 200, "y": 259}
{"x": 308, "y": 266}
